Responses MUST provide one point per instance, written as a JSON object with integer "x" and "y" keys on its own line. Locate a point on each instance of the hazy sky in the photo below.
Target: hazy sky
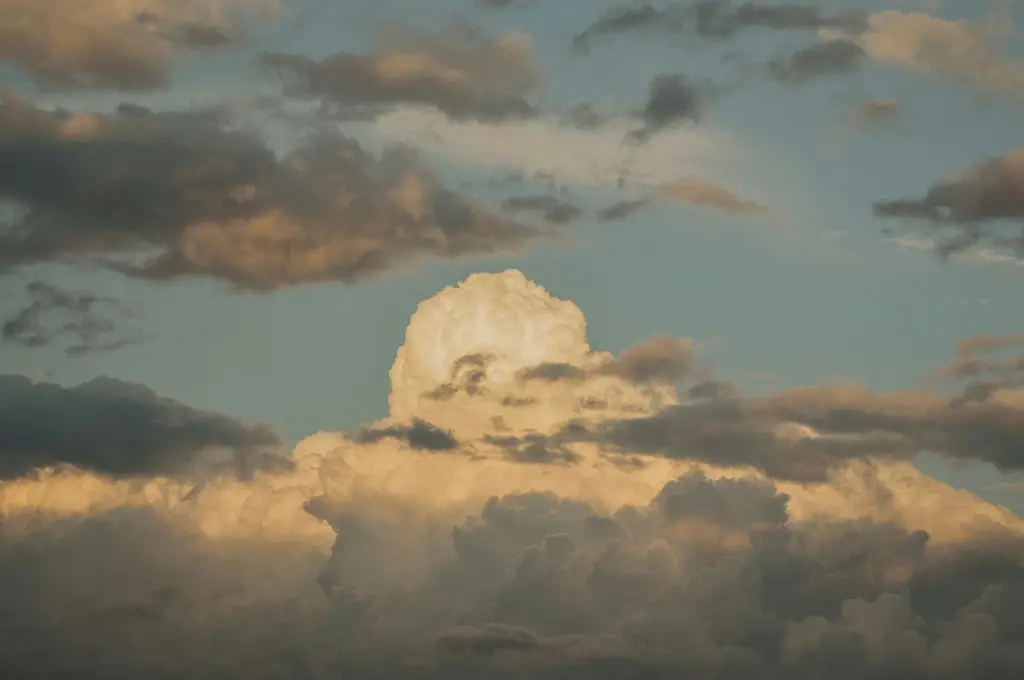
{"x": 217, "y": 218}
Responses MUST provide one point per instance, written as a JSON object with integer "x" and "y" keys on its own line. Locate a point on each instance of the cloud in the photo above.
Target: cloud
{"x": 460, "y": 70}
{"x": 700, "y": 192}
{"x": 964, "y": 50}
{"x": 116, "y": 428}
{"x": 974, "y": 254}
{"x": 827, "y": 58}
{"x": 116, "y": 44}
{"x": 672, "y": 98}
{"x": 694, "y": 191}
{"x": 165, "y": 196}
{"x": 976, "y": 208}
{"x": 620, "y": 210}
{"x": 876, "y": 113}
{"x": 714, "y": 19}
{"x": 373, "y": 556}
{"x": 565, "y": 154}
{"x": 87, "y": 320}
{"x": 986, "y": 372}
{"x": 419, "y": 435}
{"x": 552, "y": 208}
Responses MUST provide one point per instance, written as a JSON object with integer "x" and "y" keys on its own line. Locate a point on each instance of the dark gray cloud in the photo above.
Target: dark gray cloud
{"x": 623, "y": 209}
{"x": 460, "y": 71}
{"x": 118, "y": 428}
{"x": 166, "y": 196}
{"x": 660, "y": 359}
{"x": 552, "y": 208}
{"x": 533, "y": 448}
{"x": 715, "y": 20}
{"x": 468, "y": 374}
{"x": 553, "y": 371}
{"x": 85, "y": 322}
{"x": 419, "y": 435}
{"x": 985, "y": 206}
{"x": 672, "y": 98}
{"x": 113, "y": 45}
{"x": 828, "y": 58}
{"x": 771, "y": 433}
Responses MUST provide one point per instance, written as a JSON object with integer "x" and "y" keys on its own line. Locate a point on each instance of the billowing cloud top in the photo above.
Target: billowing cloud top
{"x": 498, "y": 354}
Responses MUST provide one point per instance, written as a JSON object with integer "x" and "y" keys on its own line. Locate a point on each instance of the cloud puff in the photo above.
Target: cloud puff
{"x": 460, "y": 71}
{"x": 962, "y": 50}
{"x": 976, "y": 208}
{"x": 671, "y": 99}
{"x": 165, "y": 196}
{"x": 374, "y": 555}
{"x": 118, "y": 44}
{"x": 89, "y": 321}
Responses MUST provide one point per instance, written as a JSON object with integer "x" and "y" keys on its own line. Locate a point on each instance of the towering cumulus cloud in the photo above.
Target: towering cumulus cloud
{"x": 501, "y": 523}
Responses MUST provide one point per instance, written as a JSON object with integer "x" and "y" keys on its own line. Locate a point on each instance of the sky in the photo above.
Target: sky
{"x": 504, "y": 337}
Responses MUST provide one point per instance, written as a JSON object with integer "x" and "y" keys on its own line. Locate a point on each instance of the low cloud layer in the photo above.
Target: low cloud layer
{"x": 460, "y": 70}
{"x": 174, "y": 195}
{"x": 117, "y": 428}
{"x": 118, "y": 45}
{"x": 981, "y": 207}
{"x": 427, "y": 547}
{"x": 84, "y": 322}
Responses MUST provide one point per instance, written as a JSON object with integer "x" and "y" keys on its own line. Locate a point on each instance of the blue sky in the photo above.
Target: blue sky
{"x": 814, "y": 292}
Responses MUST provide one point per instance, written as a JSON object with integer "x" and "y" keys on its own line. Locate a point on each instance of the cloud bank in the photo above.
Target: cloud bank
{"x": 163, "y": 196}
{"x": 420, "y": 547}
